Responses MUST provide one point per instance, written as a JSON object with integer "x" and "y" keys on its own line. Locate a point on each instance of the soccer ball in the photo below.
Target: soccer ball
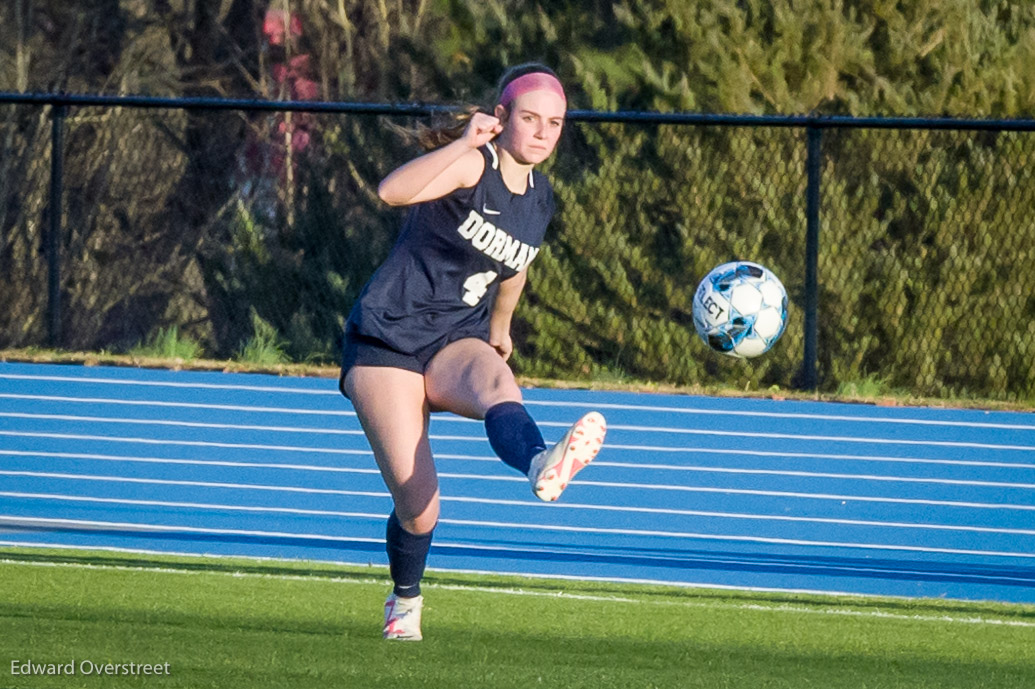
{"x": 740, "y": 309}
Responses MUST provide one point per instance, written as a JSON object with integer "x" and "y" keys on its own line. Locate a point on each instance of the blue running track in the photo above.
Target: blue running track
{"x": 744, "y": 493}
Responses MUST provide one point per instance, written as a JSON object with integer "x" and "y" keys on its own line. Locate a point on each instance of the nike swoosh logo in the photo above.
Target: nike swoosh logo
{"x": 489, "y": 211}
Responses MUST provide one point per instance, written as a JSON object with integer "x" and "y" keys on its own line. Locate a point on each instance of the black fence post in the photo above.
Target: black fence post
{"x": 809, "y": 378}
{"x": 57, "y": 165}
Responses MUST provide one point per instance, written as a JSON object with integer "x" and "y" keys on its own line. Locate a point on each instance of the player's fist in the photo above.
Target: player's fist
{"x": 481, "y": 129}
{"x": 503, "y": 345}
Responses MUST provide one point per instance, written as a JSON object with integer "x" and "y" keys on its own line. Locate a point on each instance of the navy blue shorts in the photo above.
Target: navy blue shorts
{"x": 363, "y": 350}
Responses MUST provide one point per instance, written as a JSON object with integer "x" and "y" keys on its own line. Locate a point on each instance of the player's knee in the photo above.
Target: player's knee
{"x": 501, "y": 387}
{"x": 421, "y": 524}
{"x": 419, "y": 521}
{"x": 494, "y": 382}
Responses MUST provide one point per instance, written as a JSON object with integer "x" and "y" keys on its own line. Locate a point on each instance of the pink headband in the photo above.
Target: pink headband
{"x": 533, "y": 81}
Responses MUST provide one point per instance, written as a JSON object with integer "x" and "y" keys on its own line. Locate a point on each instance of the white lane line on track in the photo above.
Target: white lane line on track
{"x": 513, "y": 503}
{"x": 593, "y": 483}
{"x": 558, "y": 595}
{"x": 689, "y": 450}
{"x": 209, "y": 426}
{"x": 638, "y": 466}
{"x": 333, "y": 392}
{"x": 613, "y": 484}
{"x": 194, "y": 484}
{"x": 817, "y": 455}
{"x": 820, "y": 474}
{"x": 790, "y": 415}
{"x": 136, "y": 527}
{"x": 332, "y": 389}
{"x": 188, "y": 443}
{"x": 819, "y": 438}
{"x": 189, "y": 462}
{"x": 474, "y": 438}
{"x": 751, "y": 434}
{"x": 185, "y": 424}
{"x": 128, "y": 502}
{"x": 179, "y": 405}
{"x": 797, "y": 494}
{"x": 728, "y": 471}
{"x": 609, "y": 446}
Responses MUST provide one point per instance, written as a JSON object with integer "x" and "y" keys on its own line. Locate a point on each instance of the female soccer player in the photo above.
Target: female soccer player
{"x": 431, "y": 329}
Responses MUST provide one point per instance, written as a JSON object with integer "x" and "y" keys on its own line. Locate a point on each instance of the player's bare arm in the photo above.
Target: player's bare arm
{"x": 503, "y": 311}
{"x": 444, "y": 170}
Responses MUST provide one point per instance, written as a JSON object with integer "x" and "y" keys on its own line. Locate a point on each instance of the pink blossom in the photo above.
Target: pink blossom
{"x": 273, "y": 26}
{"x": 305, "y": 89}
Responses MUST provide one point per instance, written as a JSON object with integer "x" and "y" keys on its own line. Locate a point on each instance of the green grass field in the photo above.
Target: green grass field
{"x": 261, "y": 623}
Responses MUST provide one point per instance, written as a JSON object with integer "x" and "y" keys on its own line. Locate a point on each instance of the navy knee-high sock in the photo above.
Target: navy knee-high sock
{"x": 513, "y": 434}
{"x": 407, "y": 557}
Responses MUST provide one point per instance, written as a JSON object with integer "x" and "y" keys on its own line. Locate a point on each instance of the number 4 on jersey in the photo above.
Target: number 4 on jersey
{"x": 476, "y": 286}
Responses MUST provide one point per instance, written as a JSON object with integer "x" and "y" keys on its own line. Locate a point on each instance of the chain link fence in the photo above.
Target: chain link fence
{"x": 243, "y": 225}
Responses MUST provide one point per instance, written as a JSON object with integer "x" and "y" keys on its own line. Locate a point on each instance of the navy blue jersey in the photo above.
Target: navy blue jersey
{"x": 442, "y": 276}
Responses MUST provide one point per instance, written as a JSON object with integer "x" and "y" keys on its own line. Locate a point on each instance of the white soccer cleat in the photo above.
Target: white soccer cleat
{"x": 552, "y": 469}
{"x": 402, "y": 618}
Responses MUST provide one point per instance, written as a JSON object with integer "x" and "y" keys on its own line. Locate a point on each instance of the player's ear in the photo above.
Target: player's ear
{"x": 502, "y": 113}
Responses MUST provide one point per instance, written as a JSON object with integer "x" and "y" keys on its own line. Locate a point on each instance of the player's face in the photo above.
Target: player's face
{"x": 533, "y": 127}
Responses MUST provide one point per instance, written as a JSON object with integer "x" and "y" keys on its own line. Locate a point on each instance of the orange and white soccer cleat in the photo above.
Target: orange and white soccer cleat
{"x": 553, "y": 469}
{"x": 402, "y": 618}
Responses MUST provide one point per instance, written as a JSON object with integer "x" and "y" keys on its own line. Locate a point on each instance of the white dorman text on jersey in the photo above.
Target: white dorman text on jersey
{"x": 496, "y": 243}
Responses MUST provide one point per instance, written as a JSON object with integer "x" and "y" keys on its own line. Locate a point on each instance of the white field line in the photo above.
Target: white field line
{"x": 381, "y": 582}
{"x": 510, "y": 503}
{"x": 517, "y": 479}
{"x": 582, "y": 578}
{"x": 136, "y": 527}
{"x": 333, "y": 392}
{"x": 557, "y": 595}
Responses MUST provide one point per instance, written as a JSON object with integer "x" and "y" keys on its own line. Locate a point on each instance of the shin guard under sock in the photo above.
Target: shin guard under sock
{"x": 407, "y": 557}
{"x": 513, "y": 434}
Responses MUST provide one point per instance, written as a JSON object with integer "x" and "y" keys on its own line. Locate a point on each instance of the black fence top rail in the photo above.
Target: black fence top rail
{"x": 813, "y": 121}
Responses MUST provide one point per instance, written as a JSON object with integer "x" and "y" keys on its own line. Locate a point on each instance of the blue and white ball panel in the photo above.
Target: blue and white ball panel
{"x": 740, "y": 309}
